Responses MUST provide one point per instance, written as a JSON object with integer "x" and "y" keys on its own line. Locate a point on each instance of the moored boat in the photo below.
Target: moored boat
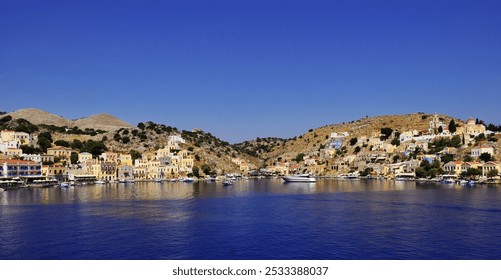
{"x": 227, "y": 182}
{"x": 299, "y": 178}
{"x": 43, "y": 183}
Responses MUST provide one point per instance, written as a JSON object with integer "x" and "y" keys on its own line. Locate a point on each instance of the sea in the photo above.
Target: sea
{"x": 256, "y": 219}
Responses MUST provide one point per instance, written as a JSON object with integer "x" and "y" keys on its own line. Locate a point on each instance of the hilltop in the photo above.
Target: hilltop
{"x": 100, "y": 121}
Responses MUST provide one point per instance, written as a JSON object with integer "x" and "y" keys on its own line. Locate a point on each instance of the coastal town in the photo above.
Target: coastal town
{"x": 448, "y": 150}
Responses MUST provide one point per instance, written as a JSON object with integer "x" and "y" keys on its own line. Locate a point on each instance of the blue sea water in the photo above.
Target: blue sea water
{"x": 255, "y": 219}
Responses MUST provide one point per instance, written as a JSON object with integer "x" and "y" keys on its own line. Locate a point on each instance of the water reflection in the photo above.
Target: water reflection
{"x": 151, "y": 191}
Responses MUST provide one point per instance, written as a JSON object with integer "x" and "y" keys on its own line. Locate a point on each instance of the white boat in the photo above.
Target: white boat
{"x": 42, "y": 183}
{"x": 100, "y": 182}
{"x": 11, "y": 182}
{"x": 299, "y": 178}
{"x": 227, "y": 182}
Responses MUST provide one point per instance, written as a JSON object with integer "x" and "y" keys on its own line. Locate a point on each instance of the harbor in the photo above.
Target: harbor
{"x": 252, "y": 219}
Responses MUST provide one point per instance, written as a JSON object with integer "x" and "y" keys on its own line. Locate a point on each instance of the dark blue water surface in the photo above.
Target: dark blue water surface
{"x": 255, "y": 219}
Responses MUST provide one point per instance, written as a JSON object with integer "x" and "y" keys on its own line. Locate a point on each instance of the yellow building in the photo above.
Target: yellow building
{"x": 14, "y": 153}
{"x": 125, "y": 159}
{"x": 489, "y": 166}
{"x": 54, "y": 170}
{"x": 474, "y": 129}
{"x": 109, "y": 157}
{"x": 84, "y": 157}
{"x": 62, "y": 153}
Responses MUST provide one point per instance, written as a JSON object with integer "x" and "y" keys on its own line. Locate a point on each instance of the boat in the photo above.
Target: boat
{"x": 43, "y": 183}
{"x": 158, "y": 180}
{"x": 299, "y": 178}
{"x": 468, "y": 183}
{"x": 11, "y": 182}
{"x": 100, "y": 182}
{"x": 64, "y": 185}
{"x": 227, "y": 182}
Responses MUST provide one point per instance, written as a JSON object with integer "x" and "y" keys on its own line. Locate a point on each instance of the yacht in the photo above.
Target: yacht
{"x": 299, "y": 178}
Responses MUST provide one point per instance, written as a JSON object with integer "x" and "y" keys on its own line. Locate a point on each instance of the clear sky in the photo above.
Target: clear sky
{"x": 246, "y": 69}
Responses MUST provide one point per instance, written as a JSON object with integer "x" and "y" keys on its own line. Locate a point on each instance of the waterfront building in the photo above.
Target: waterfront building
{"x": 55, "y": 171}
{"x": 84, "y": 157}
{"x": 453, "y": 167}
{"x": 467, "y": 165}
{"x": 125, "y": 172}
{"x": 140, "y": 173}
{"x": 19, "y": 168}
{"x": 172, "y": 171}
{"x": 109, "y": 157}
{"x": 104, "y": 170}
{"x": 490, "y": 166}
{"x": 125, "y": 159}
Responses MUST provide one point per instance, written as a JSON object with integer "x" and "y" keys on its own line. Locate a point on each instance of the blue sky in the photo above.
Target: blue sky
{"x": 247, "y": 69}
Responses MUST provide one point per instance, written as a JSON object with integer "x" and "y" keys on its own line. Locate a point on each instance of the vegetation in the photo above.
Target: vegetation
{"x": 386, "y": 133}
{"x": 426, "y": 169}
{"x": 486, "y": 157}
{"x": 353, "y": 141}
{"x": 62, "y": 143}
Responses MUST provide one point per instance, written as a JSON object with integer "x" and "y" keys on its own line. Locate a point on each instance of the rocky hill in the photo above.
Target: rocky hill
{"x": 314, "y": 139}
{"x": 100, "y": 121}
{"x": 36, "y": 116}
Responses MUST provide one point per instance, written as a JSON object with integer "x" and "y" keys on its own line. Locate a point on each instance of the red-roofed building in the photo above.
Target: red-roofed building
{"x": 19, "y": 168}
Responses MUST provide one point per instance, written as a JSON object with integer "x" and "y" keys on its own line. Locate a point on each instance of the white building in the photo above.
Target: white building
{"x": 477, "y": 151}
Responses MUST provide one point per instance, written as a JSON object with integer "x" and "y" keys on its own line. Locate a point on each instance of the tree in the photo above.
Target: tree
{"x": 452, "y": 126}
{"x": 421, "y": 172}
{"x": 353, "y": 141}
{"x": 472, "y": 172}
{"x": 76, "y": 144}
{"x": 46, "y": 135}
{"x": 467, "y": 158}
{"x": 357, "y": 149}
{"x": 395, "y": 142}
{"x": 30, "y": 149}
{"x": 141, "y": 126}
{"x": 485, "y": 157}
{"x": 62, "y": 143}
{"x": 135, "y": 155}
{"x": 447, "y": 158}
{"x": 480, "y": 137}
{"x": 493, "y": 173}
{"x": 386, "y": 133}
{"x": 299, "y": 157}
{"x": 94, "y": 147}
{"x": 44, "y": 143}
{"x": 455, "y": 141}
{"x": 74, "y": 158}
{"x": 440, "y": 129}
{"x": 195, "y": 170}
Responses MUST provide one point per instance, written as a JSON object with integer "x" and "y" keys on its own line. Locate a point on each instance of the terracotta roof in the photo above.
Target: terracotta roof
{"x": 17, "y": 161}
